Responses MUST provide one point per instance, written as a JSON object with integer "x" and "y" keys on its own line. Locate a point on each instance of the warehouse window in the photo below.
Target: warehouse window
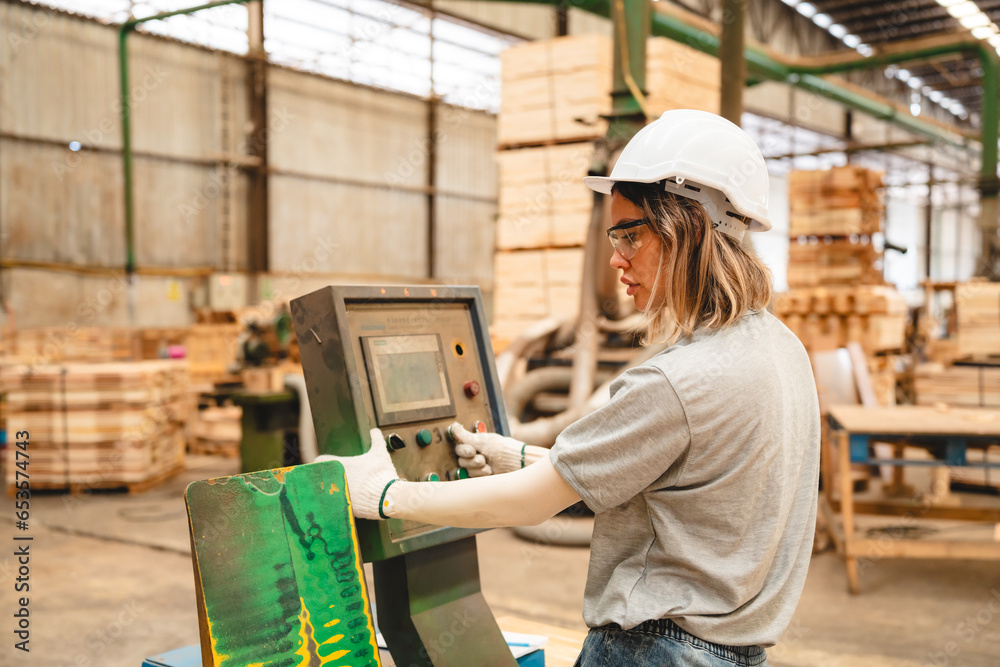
{"x": 372, "y": 42}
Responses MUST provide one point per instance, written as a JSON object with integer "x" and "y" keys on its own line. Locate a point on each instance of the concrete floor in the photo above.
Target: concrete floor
{"x": 111, "y": 583}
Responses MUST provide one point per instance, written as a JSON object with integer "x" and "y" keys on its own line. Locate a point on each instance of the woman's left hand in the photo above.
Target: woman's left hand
{"x": 368, "y": 476}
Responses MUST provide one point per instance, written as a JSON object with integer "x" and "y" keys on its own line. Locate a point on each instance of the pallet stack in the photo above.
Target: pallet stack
{"x": 216, "y": 430}
{"x": 965, "y": 386}
{"x": 100, "y": 425}
{"x": 977, "y": 306}
{"x": 833, "y": 216}
{"x": 554, "y": 94}
{"x": 827, "y": 318}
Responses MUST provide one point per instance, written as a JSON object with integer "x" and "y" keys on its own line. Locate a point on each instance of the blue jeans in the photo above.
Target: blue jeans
{"x": 658, "y": 643}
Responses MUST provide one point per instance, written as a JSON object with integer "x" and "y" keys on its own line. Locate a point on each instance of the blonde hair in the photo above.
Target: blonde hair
{"x": 705, "y": 279}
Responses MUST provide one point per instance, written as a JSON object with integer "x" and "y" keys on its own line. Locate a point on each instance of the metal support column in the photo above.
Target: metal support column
{"x": 731, "y": 58}
{"x": 631, "y": 21}
{"x": 257, "y": 199}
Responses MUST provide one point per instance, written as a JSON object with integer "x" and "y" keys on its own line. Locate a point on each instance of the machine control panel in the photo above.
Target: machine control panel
{"x": 411, "y": 361}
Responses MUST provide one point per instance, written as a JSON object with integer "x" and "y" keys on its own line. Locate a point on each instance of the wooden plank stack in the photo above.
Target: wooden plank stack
{"x": 543, "y": 201}
{"x": 966, "y": 386}
{"x": 833, "y": 215}
{"x": 978, "y": 309}
{"x": 827, "y": 318}
{"x": 95, "y": 426}
{"x": 554, "y": 94}
{"x": 54, "y": 345}
{"x": 532, "y": 285}
{"x": 556, "y": 90}
{"x": 216, "y": 430}
{"x": 211, "y": 348}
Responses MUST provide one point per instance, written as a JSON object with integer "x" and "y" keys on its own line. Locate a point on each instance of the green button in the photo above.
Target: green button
{"x": 463, "y": 473}
{"x": 432, "y": 477}
{"x": 424, "y": 437}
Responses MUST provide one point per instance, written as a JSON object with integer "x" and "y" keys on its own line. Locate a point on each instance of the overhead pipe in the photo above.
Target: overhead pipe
{"x": 126, "y": 117}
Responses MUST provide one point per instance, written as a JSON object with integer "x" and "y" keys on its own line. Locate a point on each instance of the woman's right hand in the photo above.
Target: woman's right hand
{"x": 486, "y": 453}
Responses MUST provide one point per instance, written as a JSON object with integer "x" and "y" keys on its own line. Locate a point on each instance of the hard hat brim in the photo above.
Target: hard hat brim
{"x": 603, "y": 184}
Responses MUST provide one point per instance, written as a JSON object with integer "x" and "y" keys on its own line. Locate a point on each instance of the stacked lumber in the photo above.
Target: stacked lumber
{"x": 967, "y": 386}
{"x": 531, "y": 285}
{"x": 978, "y": 310}
{"x": 55, "y": 345}
{"x": 827, "y": 318}
{"x": 557, "y": 90}
{"x": 679, "y": 77}
{"x": 211, "y": 349}
{"x": 555, "y": 93}
{"x": 833, "y": 215}
{"x": 543, "y": 201}
{"x": 93, "y": 426}
{"x": 216, "y": 430}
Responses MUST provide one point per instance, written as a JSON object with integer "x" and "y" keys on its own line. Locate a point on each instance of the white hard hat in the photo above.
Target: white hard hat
{"x": 701, "y": 156}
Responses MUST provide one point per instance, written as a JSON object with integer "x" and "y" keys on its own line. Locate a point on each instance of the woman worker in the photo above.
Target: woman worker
{"x": 702, "y": 469}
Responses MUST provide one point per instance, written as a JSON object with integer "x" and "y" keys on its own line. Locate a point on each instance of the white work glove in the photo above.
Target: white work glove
{"x": 368, "y": 478}
{"x": 487, "y": 453}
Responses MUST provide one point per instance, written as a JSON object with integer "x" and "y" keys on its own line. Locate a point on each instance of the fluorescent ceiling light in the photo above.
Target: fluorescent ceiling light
{"x": 949, "y": 3}
{"x": 805, "y": 9}
{"x": 837, "y": 30}
{"x": 852, "y": 40}
{"x": 974, "y": 21}
{"x": 822, "y": 20}
{"x": 926, "y": 90}
{"x": 966, "y": 8}
{"x": 915, "y": 82}
{"x": 792, "y": 3}
{"x": 994, "y": 41}
{"x": 903, "y": 75}
{"x": 936, "y": 96}
{"x": 915, "y": 109}
{"x": 865, "y": 50}
{"x": 983, "y": 32}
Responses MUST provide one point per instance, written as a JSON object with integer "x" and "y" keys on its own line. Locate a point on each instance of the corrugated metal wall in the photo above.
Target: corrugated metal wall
{"x": 348, "y": 181}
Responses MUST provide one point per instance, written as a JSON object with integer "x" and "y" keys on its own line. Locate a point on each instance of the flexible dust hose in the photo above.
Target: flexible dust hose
{"x": 543, "y": 432}
{"x": 307, "y": 433}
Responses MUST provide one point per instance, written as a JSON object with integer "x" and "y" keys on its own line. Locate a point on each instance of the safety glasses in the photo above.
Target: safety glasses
{"x": 627, "y": 239}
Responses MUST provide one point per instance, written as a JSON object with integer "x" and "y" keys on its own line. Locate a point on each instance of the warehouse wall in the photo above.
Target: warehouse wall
{"x": 348, "y": 191}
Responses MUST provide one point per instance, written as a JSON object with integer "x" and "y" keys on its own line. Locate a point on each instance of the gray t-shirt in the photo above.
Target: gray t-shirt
{"x": 702, "y": 471}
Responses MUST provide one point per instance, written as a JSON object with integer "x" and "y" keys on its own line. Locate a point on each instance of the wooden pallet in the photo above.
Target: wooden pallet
{"x": 559, "y": 89}
{"x": 829, "y": 318}
{"x": 978, "y": 311}
{"x": 230, "y": 449}
{"x": 76, "y": 488}
{"x": 543, "y": 201}
{"x": 966, "y": 386}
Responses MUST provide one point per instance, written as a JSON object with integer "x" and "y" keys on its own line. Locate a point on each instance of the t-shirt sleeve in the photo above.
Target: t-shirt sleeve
{"x": 617, "y": 451}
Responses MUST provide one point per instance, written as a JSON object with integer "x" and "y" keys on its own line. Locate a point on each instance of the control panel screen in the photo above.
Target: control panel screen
{"x": 408, "y": 378}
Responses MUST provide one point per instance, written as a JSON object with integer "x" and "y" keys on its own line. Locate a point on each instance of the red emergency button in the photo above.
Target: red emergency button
{"x": 471, "y": 388}
{"x": 479, "y": 427}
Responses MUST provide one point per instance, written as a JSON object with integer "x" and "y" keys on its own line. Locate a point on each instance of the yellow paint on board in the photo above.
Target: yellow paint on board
{"x": 173, "y": 290}
{"x": 333, "y": 622}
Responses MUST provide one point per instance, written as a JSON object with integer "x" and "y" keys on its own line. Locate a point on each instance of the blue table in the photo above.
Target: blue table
{"x": 947, "y": 435}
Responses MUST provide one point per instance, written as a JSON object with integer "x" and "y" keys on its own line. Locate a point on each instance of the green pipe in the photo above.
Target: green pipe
{"x": 126, "y": 118}
{"x": 631, "y": 32}
{"x": 761, "y": 66}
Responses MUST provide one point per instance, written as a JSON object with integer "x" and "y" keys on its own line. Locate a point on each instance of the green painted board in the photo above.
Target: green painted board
{"x": 278, "y": 571}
